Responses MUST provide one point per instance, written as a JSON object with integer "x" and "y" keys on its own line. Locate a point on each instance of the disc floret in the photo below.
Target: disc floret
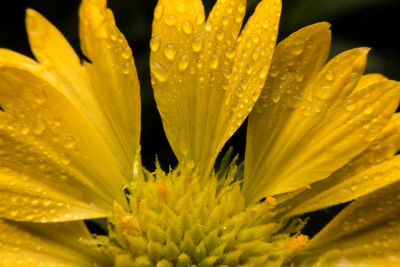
{"x": 175, "y": 219}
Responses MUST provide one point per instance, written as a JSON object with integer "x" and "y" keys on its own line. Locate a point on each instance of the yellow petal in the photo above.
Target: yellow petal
{"x": 331, "y": 125}
{"x": 366, "y": 232}
{"x": 372, "y": 169}
{"x": 114, "y": 80}
{"x": 53, "y": 164}
{"x": 296, "y": 61}
{"x": 56, "y": 244}
{"x": 197, "y": 67}
{"x": 111, "y": 104}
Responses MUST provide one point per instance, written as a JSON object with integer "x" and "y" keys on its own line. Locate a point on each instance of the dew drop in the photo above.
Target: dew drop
{"x": 324, "y": 92}
{"x": 181, "y": 8}
{"x": 230, "y": 53}
{"x": 214, "y": 61}
{"x": 170, "y": 20}
{"x": 158, "y": 11}
{"x": 126, "y": 68}
{"x": 263, "y": 72}
{"x": 350, "y": 105}
{"x": 200, "y": 19}
{"x": 183, "y": 62}
{"x": 225, "y": 21}
{"x": 208, "y": 26}
{"x": 170, "y": 51}
{"x": 126, "y": 53}
{"x": 265, "y": 24}
{"x": 159, "y": 72}
{"x": 299, "y": 77}
{"x": 297, "y": 48}
{"x": 368, "y": 109}
{"x": 155, "y": 43}
{"x": 220, "y": 35}
{"x": 256, "y": 53}
{"x": 276, "y": 97}
{"x": 255, "y": 38}
{"x": 39, "y": 125}
{"x": 197, "y": 44}
{"x": 329, "y": 75}
{"x": 65, "y": 159}
{"x": 25, "y": 129}
{"x": 187, "y": 27}
{"x": 241, "y": 8}
{"x": 199, "y": 63}
{"x": 273, "y": 72}
{"x": 40, "y": 97}
{"x": 69, "y": 142}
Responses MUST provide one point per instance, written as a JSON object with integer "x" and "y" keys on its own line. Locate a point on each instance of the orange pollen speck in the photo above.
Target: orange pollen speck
{"x": 163, "y": 190}
{"x": 299, "y": 242}
{"x": 270, "y": 200}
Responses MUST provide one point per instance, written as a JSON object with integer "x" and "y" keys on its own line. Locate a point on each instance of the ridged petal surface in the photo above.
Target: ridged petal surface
{"x": 205, "y": 79}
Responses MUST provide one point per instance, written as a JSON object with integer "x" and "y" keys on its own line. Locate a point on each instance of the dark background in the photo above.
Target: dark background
{"x": 372, "y": 23}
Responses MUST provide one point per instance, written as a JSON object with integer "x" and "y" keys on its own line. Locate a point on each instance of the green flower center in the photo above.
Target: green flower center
{"x": 175, "y": 220}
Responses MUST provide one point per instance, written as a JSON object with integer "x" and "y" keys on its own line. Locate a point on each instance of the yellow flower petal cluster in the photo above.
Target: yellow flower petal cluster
{"x": 319, "y": 134}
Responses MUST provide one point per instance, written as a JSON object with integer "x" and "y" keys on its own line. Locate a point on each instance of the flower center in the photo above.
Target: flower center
{"x": 175, "y": 220}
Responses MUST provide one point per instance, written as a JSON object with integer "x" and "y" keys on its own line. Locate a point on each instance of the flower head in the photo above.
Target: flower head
{"x": 319, "y": 134}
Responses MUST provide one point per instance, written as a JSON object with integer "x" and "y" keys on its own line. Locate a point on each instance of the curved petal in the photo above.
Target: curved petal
{"x": 113, "y": 77}
{"x": 55, "y": 244}
{"x": 54, "y": 166}
{"x": 332, "y": 124}
{"x": 372, "y": 169}
{"x": 297, "y": 60}
{"x": 205, "y": 79}
{"x": 365, "y": 232}
{"x": 112, "y": 104}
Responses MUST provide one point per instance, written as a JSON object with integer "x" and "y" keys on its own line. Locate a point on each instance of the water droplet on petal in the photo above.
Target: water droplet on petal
{"x": 297, "y": 48}
{"x": 220, "y": 34}
{"x": 368, "y": 109}
{"x": 65, "y": 159}
{"x": 39, "y": 125}
{"x": 170, "y": 20}
{"x": 350, "y": 104}
{"x": 155, "y": 43}
{"x": 214, "y": 61}
{"x": 126, "y": 53}
{"x": 329, "y": 75}
{"x": 325, "y": 92}
{"x": 274, "y": 71}
{"x": 181, "y": 8}
{"x": 208, "y": 26}
{"x": 276, "y": 97}
{"x": 183, "y": 62}
{"x": 25, "y": 129}
{"x": 187, "y": 27}
{"x": 126, "y": 68}
{"x": 159, "y": 72}
{"x": 263, "y": 72}
{"x": 40, "y": 97}
{"x": 230, "y": 53}
{"x": 69, "y": 142}
{"x": 197, "y": 44}
{"x": 200, "y": 19}
{"x": 299, "y": 77}
{"x": 158, "y": 11}
{"x": 170, "y": 51}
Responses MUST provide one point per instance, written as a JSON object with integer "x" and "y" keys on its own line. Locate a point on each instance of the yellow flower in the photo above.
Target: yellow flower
{"x": 319, "y": 134}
